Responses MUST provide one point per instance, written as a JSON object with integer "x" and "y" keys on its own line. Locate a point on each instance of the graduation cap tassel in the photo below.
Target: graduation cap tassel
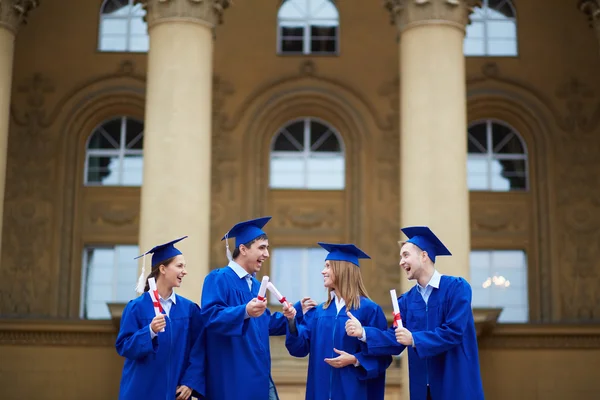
{"x": 141, "y": 283}
{"x": 227, "y": 251}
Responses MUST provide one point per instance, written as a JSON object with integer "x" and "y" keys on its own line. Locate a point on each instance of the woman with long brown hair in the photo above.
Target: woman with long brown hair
{"x": 164, "y": 351}
{"x": 337, "y": 370}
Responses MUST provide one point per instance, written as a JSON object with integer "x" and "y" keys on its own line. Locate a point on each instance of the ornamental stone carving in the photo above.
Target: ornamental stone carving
{"x": 208, "y": 12}
{"x": 408, "y": 13}
{"x": 13, "y": 13}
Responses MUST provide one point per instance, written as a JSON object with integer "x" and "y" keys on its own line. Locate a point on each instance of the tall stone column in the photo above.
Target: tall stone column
{"x": 592, "y": 9}
{"x": 433, "y": 126}
{"x": 175, "y": 196}
{"x": 13, "y": 13}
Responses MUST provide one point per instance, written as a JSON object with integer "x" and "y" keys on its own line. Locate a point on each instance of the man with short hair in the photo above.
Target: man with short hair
{"x": 237, "y": 324}
{"x": 439, "y": 331}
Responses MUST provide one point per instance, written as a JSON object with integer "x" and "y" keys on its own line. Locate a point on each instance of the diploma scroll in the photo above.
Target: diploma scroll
{"x": 263, "y": 288}
{"x": 397, "y": 317}
{"x": 278, "y": 295}
{"x": 154, "y": 296}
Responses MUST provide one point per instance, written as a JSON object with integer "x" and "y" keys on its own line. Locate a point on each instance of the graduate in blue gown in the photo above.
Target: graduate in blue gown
{"x": 238, "y": 325}
{"x": 337, "y": 368}
{"x": 438, "y": 332}
{"x": 162, "y": 365}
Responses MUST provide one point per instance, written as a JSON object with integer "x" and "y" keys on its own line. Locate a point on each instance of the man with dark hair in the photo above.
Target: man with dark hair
{"x": 237, "y": 324}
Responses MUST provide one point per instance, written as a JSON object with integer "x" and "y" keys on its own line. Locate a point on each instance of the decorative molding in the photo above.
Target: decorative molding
{"x": 493, "y": 216}
{"x": 206, "y": 12}
{"x": 29, "y": 211}
{"x": 529, "y": 337}
{"x": 57, "y": 333}
{"x": 576, "y": 95}
{"x": 306, "y": 71}
{"x": 579, "y": 116}
{"x": 13, "y": 13}
{"x": 406, "y": 14}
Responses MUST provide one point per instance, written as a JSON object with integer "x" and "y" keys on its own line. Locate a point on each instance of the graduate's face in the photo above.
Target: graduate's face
{"x": 174, "y": 272}
{"x": 328, "y": 276}
{"x": 255, "y": 255}
{"x": 411, "y": 260}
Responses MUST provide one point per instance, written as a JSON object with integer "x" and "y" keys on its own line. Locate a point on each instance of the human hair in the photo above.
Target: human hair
{"x": 348, "y": 283}
{"x": 236, "y": 251}
{"x": 155, "y": 272}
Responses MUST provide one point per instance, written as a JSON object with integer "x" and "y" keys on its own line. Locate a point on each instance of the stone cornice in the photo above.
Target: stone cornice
{"x": 103, "y": 333}
{"x": 591, "y": 8}
{"x": 406, "y": 14}
{"x": 206, "y": 12}
{"x": 13, "y": 13}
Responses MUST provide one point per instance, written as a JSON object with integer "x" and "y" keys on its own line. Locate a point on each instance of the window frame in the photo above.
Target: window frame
{"x": 490, "y": 156}
{"x": 121, "y": 152}
{"x": 127, "y": 35}
{"x": 307, "y": 34}
{"x": 307, "y": 152}
{"x": 485, "y": 22}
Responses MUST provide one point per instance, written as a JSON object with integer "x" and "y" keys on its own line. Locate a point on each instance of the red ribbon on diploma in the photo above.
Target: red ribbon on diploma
{"x": 156, "y": 303}
{"x": 397, "y": 318}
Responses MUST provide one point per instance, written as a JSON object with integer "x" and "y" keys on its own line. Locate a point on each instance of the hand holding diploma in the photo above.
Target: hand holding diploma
{"x": 158, "y": 310}
{"x": 289, "y": 312}
{"x": 403, "y": 336}
{"x": 255, "y": 307}
{"x": 353, "y": 326}
{"x": 158, "y": 323}
{"x": 397, "y": 316}
{"x": 278, "y": 295}
{"x": 263, "y": 288}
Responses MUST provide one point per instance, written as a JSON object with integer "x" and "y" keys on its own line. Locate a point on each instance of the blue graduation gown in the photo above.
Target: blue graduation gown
{"x": 155, "y": 367}
{"x": 321, "y": 332}
{"x": 445, "y": 355}
{"x": 238, "y": 352}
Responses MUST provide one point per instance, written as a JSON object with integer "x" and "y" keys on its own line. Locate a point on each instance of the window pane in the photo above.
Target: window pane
{"x": 103, "y": 170}
{"x": 501, "y": 283}
{"x": 286, "y": 143}
{"x": 477, "y": 170}
{"x": 108, "y": 271}
{"x": 502, "y": 47}
{"x": 116, "y": 7}
{"x": 475, "y": 30}
{"x": 287, "y": 172}
{"x": 133, "y": 168}
{"x": 116, "y": 43}
{"x": 295, "y": 133}
{"x": 502, "y": 29}
{"x": 506, "y": 142}
{"x": 508, "y": 175}
{"x": 474, "y": 47}
{"x": 478, "y": 140}
{"x": 326, "y": 173}
{"x": 297, "y": 273}
{"x": 323, "y": 46}
{"x": 138, "y": 27}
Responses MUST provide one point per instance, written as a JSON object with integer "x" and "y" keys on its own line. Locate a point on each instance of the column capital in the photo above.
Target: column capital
{"x": 206, "y": 12}
{"x": 408, "y": 13}
{"x": 13, "y": 13}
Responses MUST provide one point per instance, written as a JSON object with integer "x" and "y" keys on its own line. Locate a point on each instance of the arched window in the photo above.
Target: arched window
{"x": 307, "y": 154}
{"x": 122, "y": 27}
{"x": 307, "y": 27}
{"x": 497, "y": 158}
{"x": 493, "y": 30}
{"x": 114, "y": 153}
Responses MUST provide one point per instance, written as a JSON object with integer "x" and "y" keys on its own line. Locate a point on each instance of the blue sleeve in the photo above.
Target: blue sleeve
{"x": 298, "y": 343}
{"x": 277, "y": 324}
{"x": 450, "y": 333}
{"x": 217, "y": 315}
{"x": 193, "y": 376}
{"x": 134, "y": 340}
{"x": 299, "y": 315}
{"x": 372, "y": 366}
{"x": 382, "y": 342}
